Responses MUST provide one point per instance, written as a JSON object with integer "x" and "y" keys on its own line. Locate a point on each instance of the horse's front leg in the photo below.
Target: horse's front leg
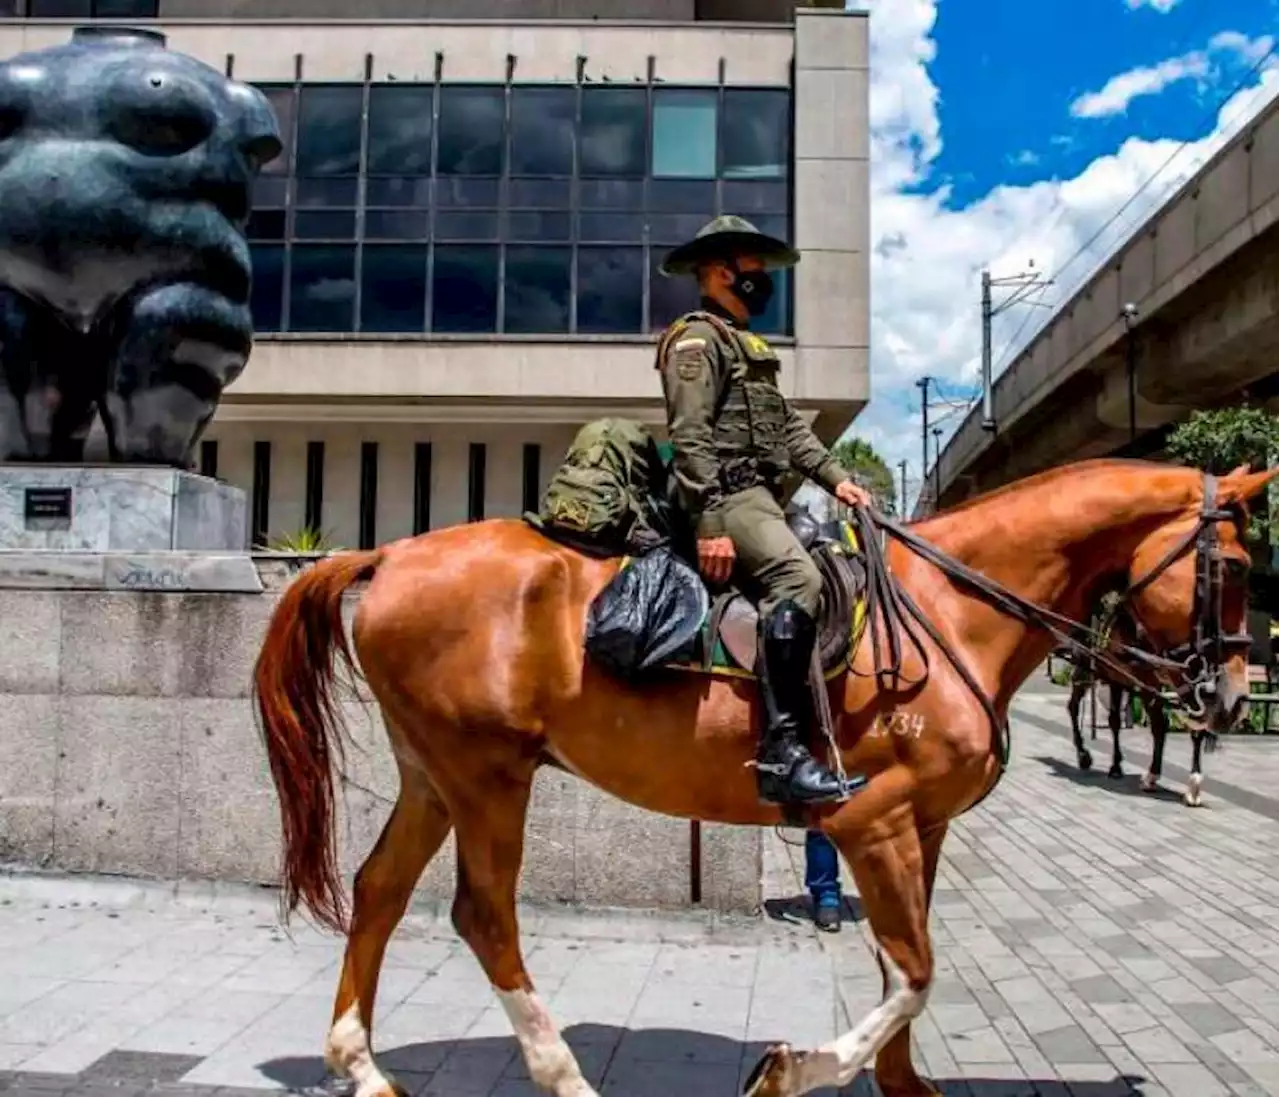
{"x": 1159, "y": 730}
{"x": 889, "y": 867}
{"x": 1115, "y": 703}
{"x": 1195, "y": 782}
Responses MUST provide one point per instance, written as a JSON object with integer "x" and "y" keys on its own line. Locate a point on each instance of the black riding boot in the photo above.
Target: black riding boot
{"x": 788, "y": 773}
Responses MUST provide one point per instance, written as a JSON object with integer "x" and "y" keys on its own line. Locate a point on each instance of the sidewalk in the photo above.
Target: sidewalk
{"x": 1090, "y": 942}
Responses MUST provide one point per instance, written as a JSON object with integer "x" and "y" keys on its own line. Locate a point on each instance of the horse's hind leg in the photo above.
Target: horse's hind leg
{"x": 888, "y": 866}
{"x": 1115, "y": 703}
{"x": 490, "y": 834}
{"x": 416, "y": 829}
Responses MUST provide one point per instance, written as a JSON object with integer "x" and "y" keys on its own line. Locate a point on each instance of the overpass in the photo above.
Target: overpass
{"x": 1202, "y": 274}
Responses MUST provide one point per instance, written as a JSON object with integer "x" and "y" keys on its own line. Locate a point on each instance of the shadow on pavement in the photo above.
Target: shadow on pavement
{"x": 1128, "y": 785}
{"x": 636, "y": 1063}
{"x": 798, "y": 909}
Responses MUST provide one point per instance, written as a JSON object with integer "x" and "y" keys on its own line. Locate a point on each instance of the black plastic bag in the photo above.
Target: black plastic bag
{"x": 649, "y": 614}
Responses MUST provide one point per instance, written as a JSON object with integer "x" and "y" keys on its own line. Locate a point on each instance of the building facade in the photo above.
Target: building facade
{"x": 455, "y": 259}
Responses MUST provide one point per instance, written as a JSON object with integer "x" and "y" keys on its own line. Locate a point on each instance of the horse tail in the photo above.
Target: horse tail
{"x": 293, "y": 692}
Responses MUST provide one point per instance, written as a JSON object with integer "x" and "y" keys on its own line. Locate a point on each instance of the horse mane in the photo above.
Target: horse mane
{"x": 1046, "y": 479}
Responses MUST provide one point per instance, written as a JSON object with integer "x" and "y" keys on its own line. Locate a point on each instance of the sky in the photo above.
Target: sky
{"x": 1005, "y": 134}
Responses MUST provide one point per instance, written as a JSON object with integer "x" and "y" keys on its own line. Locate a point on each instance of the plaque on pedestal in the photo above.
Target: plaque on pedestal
{"x": 118, "y": 508}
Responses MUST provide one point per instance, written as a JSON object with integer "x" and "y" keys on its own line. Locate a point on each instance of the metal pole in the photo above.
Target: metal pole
{"x": 923, "y": 386}
{"x": 1129, "y": 314}
{"x": 902, "y": 477}
{"x": 988, "y": 404}
{"x": 937, "y": 467}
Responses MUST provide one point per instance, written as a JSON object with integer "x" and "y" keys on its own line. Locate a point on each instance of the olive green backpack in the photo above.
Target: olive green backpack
{"x": 608, "y": 493}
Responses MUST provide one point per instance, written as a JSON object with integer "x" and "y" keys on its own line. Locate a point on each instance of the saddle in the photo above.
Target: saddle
{"x": 728, "y": 641}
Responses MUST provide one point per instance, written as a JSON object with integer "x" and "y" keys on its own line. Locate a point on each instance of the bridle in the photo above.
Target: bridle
{"x": 1190, "y": 670}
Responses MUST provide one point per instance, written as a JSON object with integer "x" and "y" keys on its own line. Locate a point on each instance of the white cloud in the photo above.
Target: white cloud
{"x": 1122, "y": 89}
{"x": 926, "y": 258}
{"x": 1162, "y": 6}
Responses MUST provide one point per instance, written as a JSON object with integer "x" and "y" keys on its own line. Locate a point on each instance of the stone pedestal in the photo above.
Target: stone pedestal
{"x": 118, "y": 508}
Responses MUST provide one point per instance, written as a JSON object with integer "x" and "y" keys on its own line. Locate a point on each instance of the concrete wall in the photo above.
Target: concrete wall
{"x": 832, "y": 215}
{"x": 129, "y": 746}
{"x": 1202, "y": 273}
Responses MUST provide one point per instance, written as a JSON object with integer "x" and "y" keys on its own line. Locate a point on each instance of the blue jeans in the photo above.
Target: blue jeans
{"x": 821, "y": 869}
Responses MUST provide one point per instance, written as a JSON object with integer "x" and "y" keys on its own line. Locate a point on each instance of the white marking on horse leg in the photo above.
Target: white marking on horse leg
{"x": 1149, "y": 782}
{"x": 347, "y": 1054}
{"x": 1192, "y": 796}
{"x": 837, "y": 1063}
{"x": 551, "y": 1064}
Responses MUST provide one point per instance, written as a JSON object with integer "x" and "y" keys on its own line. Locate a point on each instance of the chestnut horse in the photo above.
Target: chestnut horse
{"x": 471, "y": 640}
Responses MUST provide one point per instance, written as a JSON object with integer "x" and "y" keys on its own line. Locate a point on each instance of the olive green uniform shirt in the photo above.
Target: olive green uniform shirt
{"x": 731, "y": 428}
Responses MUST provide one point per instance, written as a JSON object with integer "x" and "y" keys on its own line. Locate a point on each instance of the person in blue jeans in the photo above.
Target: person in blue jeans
{"x": 822, "y": 878}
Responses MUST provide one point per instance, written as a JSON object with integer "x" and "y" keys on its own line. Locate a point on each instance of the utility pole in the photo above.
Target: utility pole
{"x": 1130, "y": 314}
{"x": 902, "y": 479}
{"x": 923, "y": 386}
{"x": 1023, "y": 285}
{"x": 937, "y": 467}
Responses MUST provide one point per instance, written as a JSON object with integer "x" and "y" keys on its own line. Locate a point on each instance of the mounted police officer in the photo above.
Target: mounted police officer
{"x": 734, "y": 437}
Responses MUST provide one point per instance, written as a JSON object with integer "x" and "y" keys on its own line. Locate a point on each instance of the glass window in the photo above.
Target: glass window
{"x": 464, "y": 289}
{"x": 750, "y": 198}
{"x": 269, "y": 191}
{"x": 540, "y": 193}
{"x": 668, "y": 297}
{"x": 329, "y": 130}
{"x": 542, "y": 129}
{"x": 471, "y": 125}
{"x": 600, "y": 228}
{"x": 325, "y": 192}
{"x": 267, "y": 298}
{"x": 393, "y": 287}
{"x": 610, "y": 289}
{"x": 400, "y": 129}
{"x": 467, "y": 193}
{"x": 684, "y": 133}
{"x": 670, "y": 229}
{"x": 324, "y": 224}
{"x": 678, "y": 196}
{"x": 612, "y": 133}
{"x": 284, "y": 102}
{"x": 395, "y": 224}
{"x": 466, "y": 225}
{"x": 411, "y": 191}
{"x": 611, "y": 194}
{"x": 266, "y": 224}
{"x": 756, "y": 132}
{"x": 539, "y": 225}
{"x": 125, "y": 9}
{"x": 537, "y": 290}
{"x": 322, "y": 287}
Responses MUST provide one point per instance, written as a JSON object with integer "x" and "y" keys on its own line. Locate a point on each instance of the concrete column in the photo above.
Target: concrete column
{"x": 832, "y": 214}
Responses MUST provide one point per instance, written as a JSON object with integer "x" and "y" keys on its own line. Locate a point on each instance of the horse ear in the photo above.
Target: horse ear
{"x": 1240, "y": 485}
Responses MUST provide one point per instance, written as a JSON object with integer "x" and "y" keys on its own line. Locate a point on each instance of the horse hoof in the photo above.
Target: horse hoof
{"x": 1193, "y": 801}
{"x": 1192, "y": 796}
{"x": 774, "y": 1075}
{"x": 1085, "y": 759}
{"x": 1116, "y": 772}
{"x": 1149, "y": 782}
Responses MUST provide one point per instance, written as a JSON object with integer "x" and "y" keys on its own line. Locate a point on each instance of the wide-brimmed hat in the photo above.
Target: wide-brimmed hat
{"x": 729, "y": 237}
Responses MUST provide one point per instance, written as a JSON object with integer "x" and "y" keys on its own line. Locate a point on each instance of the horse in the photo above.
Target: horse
{"x": 1083, "y": 677}
{"x": 471, "y": 640}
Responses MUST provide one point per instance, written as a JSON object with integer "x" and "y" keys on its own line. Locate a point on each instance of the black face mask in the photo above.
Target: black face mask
{"x": 754, "y": 288}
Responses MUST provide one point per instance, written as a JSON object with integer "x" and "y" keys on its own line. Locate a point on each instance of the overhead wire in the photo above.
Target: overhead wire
{"x": 1181, "y": 147}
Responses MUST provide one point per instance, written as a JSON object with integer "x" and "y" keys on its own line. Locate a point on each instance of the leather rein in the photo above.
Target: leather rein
{"x": 891, "y": 612}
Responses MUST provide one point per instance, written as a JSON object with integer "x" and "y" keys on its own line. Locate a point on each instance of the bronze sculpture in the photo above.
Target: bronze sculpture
{"x": 126, "y": 173}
